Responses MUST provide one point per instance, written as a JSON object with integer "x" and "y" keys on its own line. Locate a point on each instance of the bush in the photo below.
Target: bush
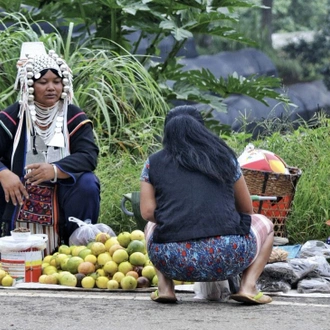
{"x": 118, "y": 175}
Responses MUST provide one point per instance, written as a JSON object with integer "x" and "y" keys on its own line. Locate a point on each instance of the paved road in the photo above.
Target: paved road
{"x": 79, "y": 310}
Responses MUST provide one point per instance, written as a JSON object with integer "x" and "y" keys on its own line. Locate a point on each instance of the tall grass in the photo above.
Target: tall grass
{"x": 119, "y": 175}
{"x": 116, "y": 91}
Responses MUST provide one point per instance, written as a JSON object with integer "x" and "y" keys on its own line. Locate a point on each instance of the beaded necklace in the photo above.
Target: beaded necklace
{"x": 45, "y": 121}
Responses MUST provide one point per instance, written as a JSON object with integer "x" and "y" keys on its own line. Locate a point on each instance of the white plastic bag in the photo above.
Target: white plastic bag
{"x": 303, "y": 267}
{"x": 214, "y": 291}
{"x": 35, "y": 241}
{"x": 105, "y": 229}
{"x": 84, "y": 234}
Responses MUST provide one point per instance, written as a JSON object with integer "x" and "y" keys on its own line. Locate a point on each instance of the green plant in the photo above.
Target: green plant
{"x": 119, "y": 94}
{"x": 119, "y": 174}
{"x": 108, "y": 23}
{"x": 116, "y": 91}
{"x": 282, "y": 124}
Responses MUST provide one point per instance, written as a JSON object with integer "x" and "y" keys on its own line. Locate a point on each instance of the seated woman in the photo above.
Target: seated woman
{"x": 201, "y": 225}
{"x": 46, "y": 139}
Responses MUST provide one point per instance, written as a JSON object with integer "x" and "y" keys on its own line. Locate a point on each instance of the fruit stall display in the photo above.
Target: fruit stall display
{"x": 107, "y": 262}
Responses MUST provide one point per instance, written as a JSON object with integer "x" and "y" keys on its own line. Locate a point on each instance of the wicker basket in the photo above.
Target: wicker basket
{"x": 283, "y": 186}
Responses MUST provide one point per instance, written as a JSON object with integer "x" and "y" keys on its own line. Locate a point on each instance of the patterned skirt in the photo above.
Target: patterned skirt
{"x": 208, "y": 259}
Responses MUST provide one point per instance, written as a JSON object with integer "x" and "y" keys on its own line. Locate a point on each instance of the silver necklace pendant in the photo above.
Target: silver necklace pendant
{"x": 58, "y": 138}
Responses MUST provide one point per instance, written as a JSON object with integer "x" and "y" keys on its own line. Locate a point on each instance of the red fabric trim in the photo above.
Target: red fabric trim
{"x": 73, "y": 118}
{"x": 10, "y": 118}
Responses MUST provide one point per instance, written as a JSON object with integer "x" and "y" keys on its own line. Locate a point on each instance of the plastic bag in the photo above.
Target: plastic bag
{"x": 105, "y": 229}
{"x": 213, "y": 291}
{"x": 321, "y": 285}
{"x": 279, "y": 271}
{"x": 322, "y": 266}
{"x": 35, "y": 241}
{"x": 268, "y": 285}
{"x": 84, "y": 234}
{"x": 314, "y": 248}
{"x": 303, "y": 267}
{"x": 277, "y": 276}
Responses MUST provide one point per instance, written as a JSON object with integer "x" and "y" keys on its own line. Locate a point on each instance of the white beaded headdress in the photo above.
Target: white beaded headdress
{"x": 33, "y": 60}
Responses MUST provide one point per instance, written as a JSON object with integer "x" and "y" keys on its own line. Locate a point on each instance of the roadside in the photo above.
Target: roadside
{"x": 60, "y": 309}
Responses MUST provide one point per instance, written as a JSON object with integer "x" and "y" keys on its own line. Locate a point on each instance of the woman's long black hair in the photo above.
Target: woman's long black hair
{"x": 196, "y": 148}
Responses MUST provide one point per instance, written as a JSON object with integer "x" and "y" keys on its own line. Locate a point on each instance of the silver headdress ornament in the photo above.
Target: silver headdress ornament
{"x": 33, "y": 60}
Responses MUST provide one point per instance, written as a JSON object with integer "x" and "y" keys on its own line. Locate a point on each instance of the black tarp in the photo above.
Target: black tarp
{"x": 306, "y": 99}
{"x": 244, "y": 62}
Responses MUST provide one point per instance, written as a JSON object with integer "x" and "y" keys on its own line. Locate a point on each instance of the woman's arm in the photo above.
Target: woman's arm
{"x": 242, "y": 196}
{"x": 147, "y": 201}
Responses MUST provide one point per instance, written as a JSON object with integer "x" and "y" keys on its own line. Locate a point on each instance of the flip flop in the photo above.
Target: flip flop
{"x": 259, "y": 298}
{"x": 162, "y": 299}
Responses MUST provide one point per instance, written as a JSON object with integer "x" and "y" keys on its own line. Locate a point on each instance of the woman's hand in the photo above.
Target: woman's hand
{"x": 13, "y": 187}
{"x": 39, "y": 172}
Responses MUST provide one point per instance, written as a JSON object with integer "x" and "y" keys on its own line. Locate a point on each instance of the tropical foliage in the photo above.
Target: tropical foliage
{"x": 107, "y": 24}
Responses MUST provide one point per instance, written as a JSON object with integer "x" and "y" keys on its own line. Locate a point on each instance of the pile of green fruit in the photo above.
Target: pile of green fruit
{"x": 119, "y": 262}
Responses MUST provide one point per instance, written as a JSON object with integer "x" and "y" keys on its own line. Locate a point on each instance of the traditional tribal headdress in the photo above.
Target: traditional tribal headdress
{"x": 33, "y": 60}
